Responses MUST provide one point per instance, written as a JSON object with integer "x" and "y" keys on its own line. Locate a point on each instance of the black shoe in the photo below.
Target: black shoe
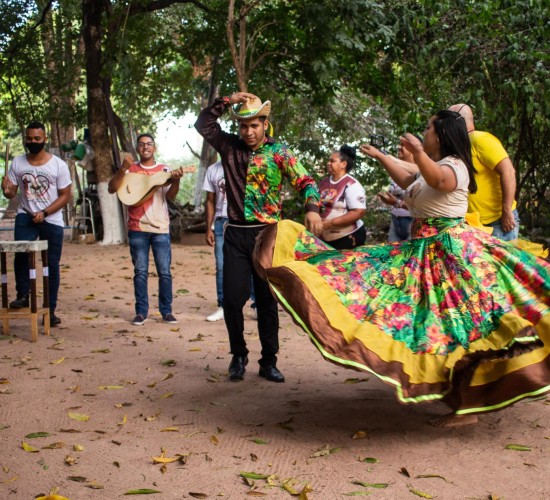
{"x": 271, "y": 373}
{"x": 237, "y": 367}
{"x": 169, "y": 318}
{"x": 138, "y": 320}
{"x": 20, "y": 302}
{"x": 54, "y": 320}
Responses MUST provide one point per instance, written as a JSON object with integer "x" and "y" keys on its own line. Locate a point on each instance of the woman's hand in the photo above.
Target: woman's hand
{"x": 387, "y": 198}
{"x": 370, "y": 150}
{"x": 411, "y": 143}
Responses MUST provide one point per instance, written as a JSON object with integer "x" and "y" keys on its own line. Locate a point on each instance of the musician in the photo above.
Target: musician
{"x": 149, "y": 228}
{"x": 44, "y": 182}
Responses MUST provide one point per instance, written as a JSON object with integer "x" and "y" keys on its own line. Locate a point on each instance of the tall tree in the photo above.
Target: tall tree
{"x": 40, "y": 64}
{"x": 103, "y": 22}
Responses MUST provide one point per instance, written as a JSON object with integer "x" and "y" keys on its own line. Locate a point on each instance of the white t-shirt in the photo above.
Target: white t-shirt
{"x": 337, "y": 199}
{"x": 424, "y": 201}
{"x": 214, "y": 182}
{"x": 38, "y": 185}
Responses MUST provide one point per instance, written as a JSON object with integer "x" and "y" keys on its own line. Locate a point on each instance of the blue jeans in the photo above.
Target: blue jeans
{"x": 400, "y": 229}
{"x": 219, "y": 224}
{"x": 26, "y": 230}
{"x": 140, "y": 242}
{"x": 499, "y": 233}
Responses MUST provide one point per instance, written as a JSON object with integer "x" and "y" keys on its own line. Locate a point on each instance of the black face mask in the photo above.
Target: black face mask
{"x": 35, "y": 147}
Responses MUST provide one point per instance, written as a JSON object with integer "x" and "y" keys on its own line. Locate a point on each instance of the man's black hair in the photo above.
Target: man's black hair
{"x": 36, "y": 125}
{"x": 145, "y": 135}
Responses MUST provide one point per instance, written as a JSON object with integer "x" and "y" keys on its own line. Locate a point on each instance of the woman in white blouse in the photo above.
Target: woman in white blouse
{"x": 342, "y": 202}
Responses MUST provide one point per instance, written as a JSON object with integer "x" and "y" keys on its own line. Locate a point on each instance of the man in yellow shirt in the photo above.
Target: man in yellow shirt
{"x": 495, "y": 178}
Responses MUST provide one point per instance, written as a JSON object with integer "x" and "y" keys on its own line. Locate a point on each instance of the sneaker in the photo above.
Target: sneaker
{"x": 138, "y": 320}
{"x": 54, "y": 320}
{"x": 20, "y": 302}
{"x": 169, "y": 318}
{"x": 216, "y": 316}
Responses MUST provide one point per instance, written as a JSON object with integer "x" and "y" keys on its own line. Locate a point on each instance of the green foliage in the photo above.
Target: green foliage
{"x": 39, "y": 62}
{"x": 336, "y": 72}
{"x": 494, "y": 56}
{"x": 151, "y": 75}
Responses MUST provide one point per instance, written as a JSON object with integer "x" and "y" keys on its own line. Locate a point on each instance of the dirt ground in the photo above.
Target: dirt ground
{"x": 109, "y": 396}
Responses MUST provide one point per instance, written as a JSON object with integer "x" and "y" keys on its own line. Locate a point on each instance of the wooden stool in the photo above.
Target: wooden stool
{"x": 32, "y": 312}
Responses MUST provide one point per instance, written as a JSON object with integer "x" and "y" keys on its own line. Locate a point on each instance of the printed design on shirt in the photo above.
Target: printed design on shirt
{"x": 264, "y": 177}
{"x": 331, "y": 200}
{"x": 328, "y": 196}
{"x": 35, "y": 187}
{"x": 221, "y": 186}
{"x": 416, "y": 189}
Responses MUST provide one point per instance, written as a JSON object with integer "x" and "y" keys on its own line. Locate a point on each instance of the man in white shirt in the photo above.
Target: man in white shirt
{"x": 44, "y": 182}
{"x": 216, "y": 218}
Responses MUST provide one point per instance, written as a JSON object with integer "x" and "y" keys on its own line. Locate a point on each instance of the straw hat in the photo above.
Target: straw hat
{"x": 253, "y": 108}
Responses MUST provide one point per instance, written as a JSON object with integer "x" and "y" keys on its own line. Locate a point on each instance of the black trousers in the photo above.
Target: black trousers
{"x": 238, "y": 246}
{"x": 355, "y": 239}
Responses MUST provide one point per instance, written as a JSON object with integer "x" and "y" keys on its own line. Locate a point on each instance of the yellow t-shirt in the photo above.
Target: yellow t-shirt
{"x": 487, "y": 153}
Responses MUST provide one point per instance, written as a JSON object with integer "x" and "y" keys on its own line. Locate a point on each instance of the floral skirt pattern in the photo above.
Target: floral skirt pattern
{"x": 453, "y": 315}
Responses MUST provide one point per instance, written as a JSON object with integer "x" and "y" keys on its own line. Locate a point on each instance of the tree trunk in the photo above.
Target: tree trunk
{"x": 237, "y": 49}
{"x": 208, "y": 154}
{"x": 59, "y": 58}
{"x": 113, "y": 230}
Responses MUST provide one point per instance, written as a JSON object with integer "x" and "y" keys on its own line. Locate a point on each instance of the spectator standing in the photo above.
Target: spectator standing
{"x": 496, "y": 180}
{"x": 45, "y": 184}
{"x": 342, "y": 202}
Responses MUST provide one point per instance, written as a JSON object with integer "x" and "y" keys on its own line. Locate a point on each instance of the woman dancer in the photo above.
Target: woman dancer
{"x": 453, "y": 315}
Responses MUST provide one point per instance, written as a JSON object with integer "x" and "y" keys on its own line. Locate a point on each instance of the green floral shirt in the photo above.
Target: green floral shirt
{"x": 267, "y": 167}
{"x": 254, "y": 179}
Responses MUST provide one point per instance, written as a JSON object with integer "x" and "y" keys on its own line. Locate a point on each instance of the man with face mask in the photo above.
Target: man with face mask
{"x": 44, "y": 181}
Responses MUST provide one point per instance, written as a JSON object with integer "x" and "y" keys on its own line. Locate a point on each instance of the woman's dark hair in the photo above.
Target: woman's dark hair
{"x": 347, "y": 154}
{"x": 451, "y": 130}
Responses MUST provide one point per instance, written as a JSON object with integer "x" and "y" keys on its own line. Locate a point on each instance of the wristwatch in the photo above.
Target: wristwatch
{"x": 45, "y": 213}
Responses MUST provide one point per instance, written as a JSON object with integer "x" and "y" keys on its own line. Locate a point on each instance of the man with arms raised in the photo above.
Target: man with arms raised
{"x": 254, "y": 166}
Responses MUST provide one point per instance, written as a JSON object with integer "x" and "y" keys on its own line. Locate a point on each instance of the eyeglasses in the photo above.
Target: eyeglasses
{"x": 143, "y": 144}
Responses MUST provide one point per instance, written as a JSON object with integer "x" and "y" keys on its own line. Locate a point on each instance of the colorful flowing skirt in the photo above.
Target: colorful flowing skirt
{"x": 453, "y": 315}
